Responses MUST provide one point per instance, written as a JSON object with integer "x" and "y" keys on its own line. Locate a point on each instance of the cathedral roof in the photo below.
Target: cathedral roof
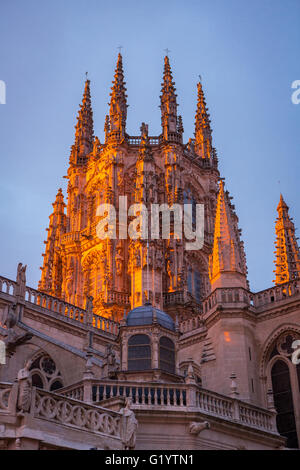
{"x": 147, "y": 314}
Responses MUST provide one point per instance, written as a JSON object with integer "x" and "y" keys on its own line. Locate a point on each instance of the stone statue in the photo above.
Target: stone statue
{"x": 119, "y": 260}
{"x": 96, "y": 146}
{"x": 110, "y": 363}
{"x": 24, "y": 390}
{"x": 129, "y": 426}
{"x": 21, "y": 280}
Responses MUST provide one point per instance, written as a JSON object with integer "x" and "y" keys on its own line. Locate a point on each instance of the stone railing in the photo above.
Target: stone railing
{"x": 215, "y": 404}
{"x": 70, "y": 311}
{"x": 180, "y": 297}
{"x": 191, "y": 324}
{"x": 71, "y": 237}
{"x": 252, "y": 416}
{"x": 141, "y": 394}
{"x": 175, "y": 137}
{"x": 227, "y": 295}
{"x": 136, "y": 140}
{"x": 75, "y": 391}
{"x": 7, "y": 286}
{"x": 257, "y": 300}
{"x": 276, "y": 293}
{"x": 173, "y": 298}
{"x": 59, "y": 307}
{"x": 173, "y": 396}
{"x": 74, "y": 413}
{"x": 116, "y": 297}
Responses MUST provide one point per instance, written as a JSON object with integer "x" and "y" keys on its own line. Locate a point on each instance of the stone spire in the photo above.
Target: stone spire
{"x": 227, "y": 262}
{"x": 287, "y": 252}
{"x": 84, "y": 129}
{"x": 51, "y": 271}
{"x": 169, "y": 105}
{"x": 118, "y": 104}
{"x": 203, "y": 140}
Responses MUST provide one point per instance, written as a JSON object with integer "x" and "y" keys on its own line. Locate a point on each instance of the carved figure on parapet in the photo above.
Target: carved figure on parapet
{"x": 21, "y": 280}
{"x": 110, "y": 363}
{"x": 129, "y": 426}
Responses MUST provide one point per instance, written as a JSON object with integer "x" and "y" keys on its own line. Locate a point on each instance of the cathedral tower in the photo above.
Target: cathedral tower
{"x": 117, "y": 271}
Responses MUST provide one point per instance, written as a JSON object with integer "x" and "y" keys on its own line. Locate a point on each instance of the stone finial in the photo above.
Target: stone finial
{"x": 88, "y": 372}
{"x": 233, "y": 386}
{"x": 190, "y": 377}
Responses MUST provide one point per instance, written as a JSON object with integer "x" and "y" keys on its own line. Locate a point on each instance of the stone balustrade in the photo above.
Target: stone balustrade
{"x": 141, "y": 394}
{"x": 7, "y": 286}
{"x": 276, "y": 293}
{"x": 136, "y": 140}
{"x": 179, "y": 395}
{"x": 257, "y": 300}
{"x": 229, "y": 295}
{"x": 71, "y": 237}
{"x": 74, "y": 413}
{"x": 191, "y": 324}
{"x": 60, "y": 307}
{"x": 173, "y": 298}
{"x": 104, "y": 425}
{"x": 75, "y": 391}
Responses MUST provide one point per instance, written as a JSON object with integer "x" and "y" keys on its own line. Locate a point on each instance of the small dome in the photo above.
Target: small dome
{"x": 144, "y": 316}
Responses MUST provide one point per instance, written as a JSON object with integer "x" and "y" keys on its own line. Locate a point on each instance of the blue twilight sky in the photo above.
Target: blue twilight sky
{"x": 247, "y": 54}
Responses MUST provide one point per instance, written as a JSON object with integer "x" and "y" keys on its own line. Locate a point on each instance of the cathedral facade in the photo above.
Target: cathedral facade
{"x": 136, "y": 341}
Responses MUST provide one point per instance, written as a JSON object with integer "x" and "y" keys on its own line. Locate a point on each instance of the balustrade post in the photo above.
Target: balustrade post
{"x": 88, "y": 377}
{"x": 155, "y": 351}
{"x": 236, "y": 410}
{"x": 191, "y": 396}
{"x": 87, "y": 390}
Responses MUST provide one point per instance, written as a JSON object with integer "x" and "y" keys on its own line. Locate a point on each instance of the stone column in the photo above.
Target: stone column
{"x": 155, "y": 351}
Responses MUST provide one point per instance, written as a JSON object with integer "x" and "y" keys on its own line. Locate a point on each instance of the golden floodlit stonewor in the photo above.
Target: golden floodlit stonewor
{"x": 141, "y": 343}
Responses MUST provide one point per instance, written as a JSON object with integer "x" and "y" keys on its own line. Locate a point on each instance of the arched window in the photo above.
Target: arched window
{"x": 44, "y": 373}
{"x": 166, "y": 354}
{"x": 37, "y": 381}
{"x": 139, "y": 352}
{"x": 283, "y": 400}
{"x": 194, "y": 283}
